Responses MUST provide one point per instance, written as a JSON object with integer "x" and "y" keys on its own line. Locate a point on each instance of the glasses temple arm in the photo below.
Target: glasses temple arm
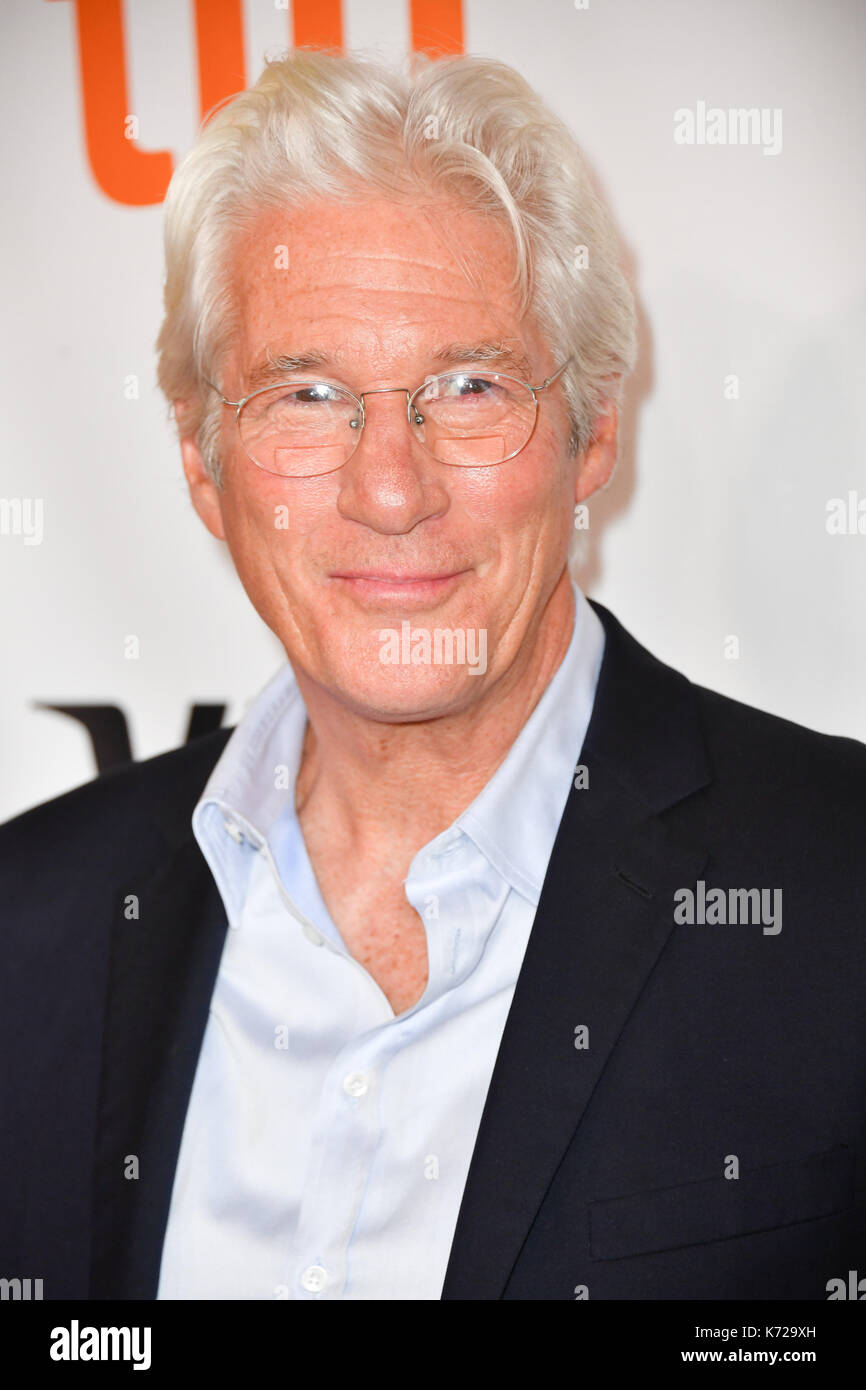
{"x": 551, "y": 379}
{"x": 214, "y": 387}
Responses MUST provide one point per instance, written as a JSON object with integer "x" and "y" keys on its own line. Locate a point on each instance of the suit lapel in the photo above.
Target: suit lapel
{"x": 603, "y": 918}
{"x": 163, "y": 970}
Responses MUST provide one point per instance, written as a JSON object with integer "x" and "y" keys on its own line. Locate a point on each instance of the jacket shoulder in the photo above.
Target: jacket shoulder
{"x": 749, "y": 744}
{"x": 784, "y": 798}
{"x": 651, "y": 716}
{"x": 115, "y": 807}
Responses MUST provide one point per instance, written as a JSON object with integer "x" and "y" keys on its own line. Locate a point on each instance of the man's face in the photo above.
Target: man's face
{"x": 331, "y": 562}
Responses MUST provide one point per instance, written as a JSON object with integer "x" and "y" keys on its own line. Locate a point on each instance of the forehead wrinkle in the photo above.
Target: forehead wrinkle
{"x": 445, "y": 279}
{"x": 358, "y": 313}
{"x": 376, "y": 230}
{"x": 464, "y": 293}
{"x": 352, "y": 251}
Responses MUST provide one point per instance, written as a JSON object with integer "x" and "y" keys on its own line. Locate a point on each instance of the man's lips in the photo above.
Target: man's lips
{"x": 396, "y": 577}
{"x": 408, "y": 586}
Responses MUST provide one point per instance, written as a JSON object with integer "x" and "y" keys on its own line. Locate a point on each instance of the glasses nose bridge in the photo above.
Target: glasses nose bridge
{"x": 386, "y": 391}
{"x": 383, "y": 391}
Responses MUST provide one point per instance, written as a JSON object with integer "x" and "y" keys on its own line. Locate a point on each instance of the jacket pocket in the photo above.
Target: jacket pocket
{"x": 760, "y": 1199}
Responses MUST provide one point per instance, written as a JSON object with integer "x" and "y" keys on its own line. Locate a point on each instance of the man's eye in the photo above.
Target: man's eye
{"x": 287, "y": 400}
{"x": 309, "y": 395}
{"x": 462, "y": 387}
{"x": 472, "y": 385}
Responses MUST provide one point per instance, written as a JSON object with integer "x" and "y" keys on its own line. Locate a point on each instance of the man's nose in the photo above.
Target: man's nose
{"x": 390, "y": 483}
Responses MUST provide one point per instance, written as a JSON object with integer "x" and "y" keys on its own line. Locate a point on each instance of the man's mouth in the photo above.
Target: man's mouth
{"x": 413, "y": 587}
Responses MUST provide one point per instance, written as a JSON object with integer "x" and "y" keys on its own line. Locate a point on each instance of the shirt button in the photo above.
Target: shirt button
{"x": 235, "y": 831}
{"x": 314, "y": 1278}
{"x": 311, "y": 934}
{"x": 355, "y": 1084}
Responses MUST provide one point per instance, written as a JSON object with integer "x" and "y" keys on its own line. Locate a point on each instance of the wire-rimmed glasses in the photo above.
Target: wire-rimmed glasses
{"x": 470, "y": 418}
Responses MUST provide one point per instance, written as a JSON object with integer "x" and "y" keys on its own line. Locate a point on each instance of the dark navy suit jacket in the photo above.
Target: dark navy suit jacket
{"x": 707, "y": 1142}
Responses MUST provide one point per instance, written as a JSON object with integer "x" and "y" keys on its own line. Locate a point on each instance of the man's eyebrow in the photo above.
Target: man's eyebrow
{"x": 273, "y": 367}
{"x": 494, "y": 353}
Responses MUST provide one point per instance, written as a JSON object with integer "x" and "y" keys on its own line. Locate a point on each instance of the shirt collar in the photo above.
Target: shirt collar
{"x": 251, "y": 784}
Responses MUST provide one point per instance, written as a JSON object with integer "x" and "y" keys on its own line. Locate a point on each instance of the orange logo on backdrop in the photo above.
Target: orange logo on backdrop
{"x": 127, "y": 173}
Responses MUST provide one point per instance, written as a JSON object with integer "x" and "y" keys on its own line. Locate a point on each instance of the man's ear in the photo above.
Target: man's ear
{"x": 203, "y": 491}
{"x": 599, "y": 457}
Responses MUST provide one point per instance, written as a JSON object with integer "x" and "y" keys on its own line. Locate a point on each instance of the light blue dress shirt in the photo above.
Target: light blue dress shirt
{"x": 327, "y": 1141}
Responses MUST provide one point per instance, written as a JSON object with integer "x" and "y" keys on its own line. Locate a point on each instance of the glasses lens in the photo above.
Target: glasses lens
{"x": 300, "y": 429}
{"x": 473, "y": 419}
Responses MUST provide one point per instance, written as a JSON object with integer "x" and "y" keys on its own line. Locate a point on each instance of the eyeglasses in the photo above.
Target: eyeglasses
{"x": 471, "y": 419}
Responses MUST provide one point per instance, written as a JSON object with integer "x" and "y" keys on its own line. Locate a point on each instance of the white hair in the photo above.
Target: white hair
{"x": 320, "y": 125}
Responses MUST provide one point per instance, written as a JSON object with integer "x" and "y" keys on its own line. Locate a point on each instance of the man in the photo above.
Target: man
{"x": 487, "y": 957}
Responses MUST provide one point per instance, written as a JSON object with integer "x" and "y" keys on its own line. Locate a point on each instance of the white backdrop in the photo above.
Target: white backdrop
{"x": 746, "y": 265}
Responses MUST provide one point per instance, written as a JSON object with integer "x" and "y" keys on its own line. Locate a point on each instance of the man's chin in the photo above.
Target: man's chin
{"x": 407, "y": 694}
